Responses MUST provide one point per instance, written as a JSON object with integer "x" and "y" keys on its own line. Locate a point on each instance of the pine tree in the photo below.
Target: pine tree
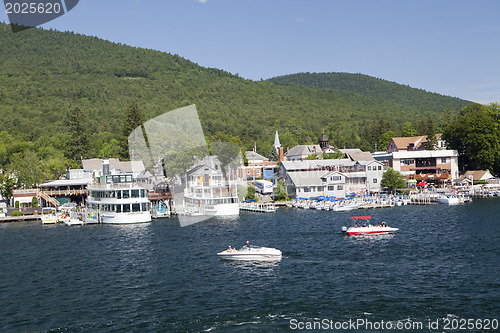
{"x": 273, "y": 154}
{"x": 135, "y": 117}
{"x": 78, "y": 144}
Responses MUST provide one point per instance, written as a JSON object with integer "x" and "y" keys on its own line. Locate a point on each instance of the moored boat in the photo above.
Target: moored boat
{"x": 117, "y": 199}
{"x": 449, "y": 200}
{"x": 49, "y": 216}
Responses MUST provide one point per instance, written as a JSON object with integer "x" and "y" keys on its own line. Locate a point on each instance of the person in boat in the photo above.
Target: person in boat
{"x": 247, "y": 245}
{"x": 230, "y": 249}
{"x": 383, "y": 224}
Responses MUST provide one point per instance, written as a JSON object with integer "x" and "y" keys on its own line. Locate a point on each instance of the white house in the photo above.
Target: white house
{"x": 335, "y": 177}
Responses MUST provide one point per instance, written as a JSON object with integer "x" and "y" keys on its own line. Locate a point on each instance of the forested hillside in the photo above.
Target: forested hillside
{"x": 373, "y": 87}
{"x": 45, "y": 75}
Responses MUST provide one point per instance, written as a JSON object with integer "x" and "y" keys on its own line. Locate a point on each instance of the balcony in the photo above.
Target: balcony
{"x": 430, "y": 176}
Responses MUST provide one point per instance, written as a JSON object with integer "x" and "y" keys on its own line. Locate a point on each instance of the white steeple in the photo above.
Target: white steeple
{"x": 277, "y": 143}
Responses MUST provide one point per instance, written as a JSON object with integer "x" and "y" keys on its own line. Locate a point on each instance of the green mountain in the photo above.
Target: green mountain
{"x": 373, "y": 87}
{"x": 46, "y": 74}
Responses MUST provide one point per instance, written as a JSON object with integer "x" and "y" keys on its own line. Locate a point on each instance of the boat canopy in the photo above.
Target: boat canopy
{"x": 361, "y": 217}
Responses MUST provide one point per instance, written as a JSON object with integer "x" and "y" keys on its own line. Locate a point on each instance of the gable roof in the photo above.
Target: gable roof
{"x": 478, "y": 175}
{"x": 402, "y": 143}
{"x": 251, "y": 155}
{"x": 302, "y": 150}
{"x": 362, "y": 156}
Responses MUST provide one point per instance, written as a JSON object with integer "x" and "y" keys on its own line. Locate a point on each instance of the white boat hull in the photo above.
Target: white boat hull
{"x": 223, "y": 209}
{"x": 251, "y": 254}
{"x": 73, "y": 222}
{"x": 126, "y": 218}
{"x": 344, "y": 208}
{"x": 369, "y": 230}
{"x": 449, "y": 200}
{"x": 50, "y": 220}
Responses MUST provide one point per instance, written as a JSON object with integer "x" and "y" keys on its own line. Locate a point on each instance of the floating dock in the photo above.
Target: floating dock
{"x": 258, "y": 208}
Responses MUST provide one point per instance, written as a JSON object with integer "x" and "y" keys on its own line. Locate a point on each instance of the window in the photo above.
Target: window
{"x": 331, "y": 188}
{"x": 144, "y": 207}
{"x": 118, "y": 194}
{"x": 307, "y": 189}
{"x": 135, "y": 193}
{"x": 136, "y": 207}
{"x": 118, "y": 208}
{"x": 126, "y": 194}
{"x": 369, "y": 168}
{"x": 374, "y": 180}
{"x": 339, "y": 187}
{"x": 335, "y": 178}
{"x": 380, "y": 167}
{"x": 126, "y": 208}
{"x": 320, "y": 188}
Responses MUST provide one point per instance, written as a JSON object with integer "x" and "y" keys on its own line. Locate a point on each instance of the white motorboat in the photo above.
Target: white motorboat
{"x": 73, "y": 221}
{"x": 251, "y": 253}
{"x": 49, "y": 216}
{"x": 449, "y": 200}
{"x": 341, "y": 208}
{"x": 365, "y": 228}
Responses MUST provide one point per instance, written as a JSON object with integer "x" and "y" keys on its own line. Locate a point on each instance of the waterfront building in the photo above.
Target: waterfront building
{"x": 210, "y": 190}
{"x": 333, "y": 177}
{"x": 258, "y": 166}
{"x": 426, "y": 165}
{"x": 472, "y": 176}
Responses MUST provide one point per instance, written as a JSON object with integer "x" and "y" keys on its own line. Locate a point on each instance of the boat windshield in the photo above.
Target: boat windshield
{"x": 247, "y": 247}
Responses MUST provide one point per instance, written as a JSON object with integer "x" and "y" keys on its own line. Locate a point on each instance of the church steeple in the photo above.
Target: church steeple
{"x": 323, "y": 141}
{"x": 277, "y": 143}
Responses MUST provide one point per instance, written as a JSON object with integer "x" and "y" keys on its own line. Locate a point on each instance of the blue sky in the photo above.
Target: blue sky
{"x": 447, "y": 46}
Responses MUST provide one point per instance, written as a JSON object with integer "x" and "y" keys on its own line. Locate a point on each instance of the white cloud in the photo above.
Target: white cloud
{"x": 202, "y": 1}
{"x": 299, "y": 19}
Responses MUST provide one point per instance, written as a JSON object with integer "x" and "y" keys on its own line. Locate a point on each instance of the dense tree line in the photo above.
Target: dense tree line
{"x": 65, "y": 96}
{"x": 475, "y": 133}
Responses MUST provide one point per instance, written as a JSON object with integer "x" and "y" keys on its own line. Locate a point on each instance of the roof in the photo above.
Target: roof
{"x": 114, "y": 163}
{"x": 312, "y": 178}
{"x": 251, "y": 155}
{"x": 424, "y": 153}
{"x": 304, "y": 150}
{"x": 311, "y": 164}
{"x": 67, "y": 182}
{"x": 478, "y": 174}
{"x": 363, "y": 156}
{"x": 402, "y": 143}
{"x": 351, "y": 151}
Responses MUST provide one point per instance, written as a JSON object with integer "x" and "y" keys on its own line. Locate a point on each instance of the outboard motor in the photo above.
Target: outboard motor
{"x": 344, "y": 229}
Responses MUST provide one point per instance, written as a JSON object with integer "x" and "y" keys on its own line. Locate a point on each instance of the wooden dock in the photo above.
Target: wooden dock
{"x": 23, "y": 218}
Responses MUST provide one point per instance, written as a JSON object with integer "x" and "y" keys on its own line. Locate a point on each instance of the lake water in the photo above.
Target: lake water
{"x": 441, "y": 267}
